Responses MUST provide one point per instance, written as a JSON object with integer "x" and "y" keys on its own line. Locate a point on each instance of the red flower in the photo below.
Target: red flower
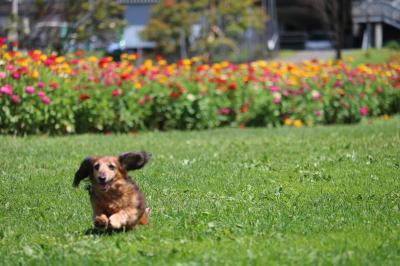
{"x": 232, "y": 86}
{"x": 174, "y": 94}
{"x": 83, "y": 97}
{"x": 115, "y": 93}
{"x": 54, "y": 85}
{"x": 244, "y": 108}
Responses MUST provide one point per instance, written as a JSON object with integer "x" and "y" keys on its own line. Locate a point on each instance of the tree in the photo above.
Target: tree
{"x": 222, "y": 23}
{"x": 84, "y": 20}
{"x": 335, "y": 16}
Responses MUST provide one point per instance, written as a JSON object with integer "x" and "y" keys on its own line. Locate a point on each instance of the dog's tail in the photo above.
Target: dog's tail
{"x": 145, "y": 217}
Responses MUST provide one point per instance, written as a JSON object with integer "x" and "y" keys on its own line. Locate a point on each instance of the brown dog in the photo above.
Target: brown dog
{"x": 116, "y": 200}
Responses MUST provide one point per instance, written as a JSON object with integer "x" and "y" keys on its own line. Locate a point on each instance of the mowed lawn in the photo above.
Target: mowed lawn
{"x": 322, "y": 195}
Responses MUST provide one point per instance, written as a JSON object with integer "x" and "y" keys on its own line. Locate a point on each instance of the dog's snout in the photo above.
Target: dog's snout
{"x": 102, "y": 179}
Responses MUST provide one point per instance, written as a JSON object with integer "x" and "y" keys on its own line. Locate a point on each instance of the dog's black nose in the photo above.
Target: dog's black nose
{"x": 102, "y": 179}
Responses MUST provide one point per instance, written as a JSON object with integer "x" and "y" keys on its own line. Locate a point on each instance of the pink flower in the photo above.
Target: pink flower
{"x": 41, "y": 94}
{"x": 40, "y": 85}
{"x": 2, "y": 75}
{"x": 16, "y": 75}
{"x": 317, "y": 113}
{"x": 274, "y": 88}
{"x": 115, "y": 93}
{"x": 338, "y": 83}
{"x": 6, "y": 89}
{"x": 15, "y": 99}
{"x": 30, "y": 89}
{"x": 277, "y": 100}
{"x": 224, "y": 111}
{"x": 10, "y": 67}
{"x": 363, "y": 110}
{"x": 45, "y": 100}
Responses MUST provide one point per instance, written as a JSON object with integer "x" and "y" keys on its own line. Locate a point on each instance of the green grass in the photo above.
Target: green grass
{"x": 372, "y": 56}
{"x": 323, "y": 195}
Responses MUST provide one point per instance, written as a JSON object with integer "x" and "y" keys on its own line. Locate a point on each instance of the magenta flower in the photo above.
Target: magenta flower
{"x": 16, "y": 75}
{"x": 224, "y": 111}
{"x": 30, "y": 89}
{"x": 41, "y": 94}
{"x": 274, "y": 88}
{"x": 45, "y": 100}
{"x": 338, "y": 83}
{"x": 277, "y": 100}
{"x": 6, "y": 89}
{"x": 40, "y": 84}
{"x": 363, "y": 110}
{"x": 15, "y": 99}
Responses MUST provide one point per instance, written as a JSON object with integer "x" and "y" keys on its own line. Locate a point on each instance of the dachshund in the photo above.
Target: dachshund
{"x": 116, "y": 200}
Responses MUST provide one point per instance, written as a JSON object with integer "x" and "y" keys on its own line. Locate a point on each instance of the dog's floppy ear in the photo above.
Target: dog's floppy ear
{"x": 83, "y": 171}
{"x": 133, "y": 160}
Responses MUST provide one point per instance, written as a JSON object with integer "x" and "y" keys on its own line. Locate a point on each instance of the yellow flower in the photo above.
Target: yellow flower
{"x": 137, "y": 85}
{"x": 288, "y": 122}
{"x": 92, "y": 59}
{"x": 35, "y": 74}
{"x": 297, "y": 123}
{"x": 386, "y": 117}
{"x": 60, "y": 59}
{"x": 148, "y": 64}
{"x": 162, "y": 62}
{"x": 186, "y": 62}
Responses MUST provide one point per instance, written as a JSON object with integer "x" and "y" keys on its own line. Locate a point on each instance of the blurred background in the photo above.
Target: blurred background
{"x": 219, "y": 29}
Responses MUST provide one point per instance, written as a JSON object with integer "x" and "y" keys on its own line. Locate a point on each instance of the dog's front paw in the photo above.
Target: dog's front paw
{"x": 115, "y": 222}
{"x": 101, "y": 222}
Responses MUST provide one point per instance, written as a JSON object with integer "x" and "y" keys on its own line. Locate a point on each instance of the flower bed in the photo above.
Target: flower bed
{"x": 74, "y": 94}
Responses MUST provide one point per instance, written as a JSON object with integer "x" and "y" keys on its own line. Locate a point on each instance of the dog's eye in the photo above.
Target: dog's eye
{"x": 97, "y": 166}
{"x": 112, "y": 167}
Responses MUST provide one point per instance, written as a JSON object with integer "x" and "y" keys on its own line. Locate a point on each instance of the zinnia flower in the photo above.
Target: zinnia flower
{"x": 115, "y": 93}
{"x": 363, "y": 110}
{"x": 45, "y": 100}
{"x": 30, "y": 89}
{"x": 40, "y": 84}
{"x": 15, "y": 99}
{"x": 54, "y": 85}
{"x": 41, "y": 94}
{"x": 6, "y": 89}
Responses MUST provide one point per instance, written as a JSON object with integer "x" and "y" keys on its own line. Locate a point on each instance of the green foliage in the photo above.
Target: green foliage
{"x": 222, "y": 24}
{"x": 284, "y": 196}
{"x": 85, "y": 19}
{"x": 393, "y": 45}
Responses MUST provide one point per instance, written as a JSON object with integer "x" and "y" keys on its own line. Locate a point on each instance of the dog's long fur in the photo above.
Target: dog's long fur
{"x": 116, "y": 200}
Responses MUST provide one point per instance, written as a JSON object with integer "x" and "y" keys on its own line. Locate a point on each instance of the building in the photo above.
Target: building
{"x": 376, "y": 21}
{"x": 137, "y": 14}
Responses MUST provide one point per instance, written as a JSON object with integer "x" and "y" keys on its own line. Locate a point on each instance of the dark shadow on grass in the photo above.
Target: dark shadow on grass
{"x": 108, "y": 232}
